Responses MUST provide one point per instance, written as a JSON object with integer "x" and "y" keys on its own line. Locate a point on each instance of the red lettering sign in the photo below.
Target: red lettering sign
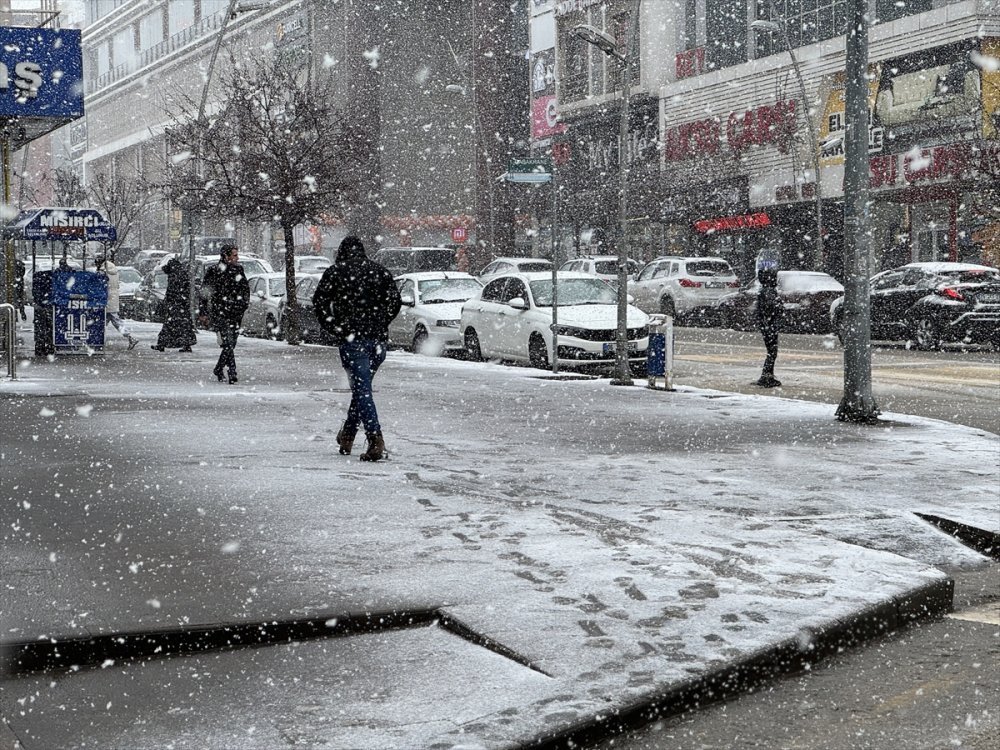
{"x": 745, "y": 221}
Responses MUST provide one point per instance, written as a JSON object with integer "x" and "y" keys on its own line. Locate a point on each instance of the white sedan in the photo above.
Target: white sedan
{"x": 267, "y": 291}
{"x": 432, "y": 303}
{"x": 512, "y": 319}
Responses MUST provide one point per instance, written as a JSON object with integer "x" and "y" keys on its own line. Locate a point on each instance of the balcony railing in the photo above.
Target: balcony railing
{"x": 182, "y": 38}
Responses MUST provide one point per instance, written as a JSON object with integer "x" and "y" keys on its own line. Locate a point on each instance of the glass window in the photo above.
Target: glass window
{"x": 725, "y": 33}
{"x": 277, "y": 287}
{"x": 494, "y": 290}
{"x": 515, "y": 288}
{"x": 211, "y": 7}
{"x": 103, "y": 59}
{"x": 648, "y": 271}
{"x": 709, "y": 268}
{"x": 890, "y": 10}
{"x": 887, "y": 281}
{"x": 574, "y": 54}
{"x": 433, "y": 291}
{"x": 807, "y": 21}
{"x": 123, "y": 47}
{"x": 535, "y": 265}
{"x": 151, "y": 30}
{"x": 180, "y": 15}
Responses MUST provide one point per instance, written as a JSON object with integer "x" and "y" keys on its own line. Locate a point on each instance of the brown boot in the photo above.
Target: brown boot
{"x": 376, "y": 448}
{"x": 345, "y": 439}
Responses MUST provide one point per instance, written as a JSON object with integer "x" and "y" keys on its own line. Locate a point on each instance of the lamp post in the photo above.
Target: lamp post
{"x": 607, "y": 44}
{"x": 781, "y": 26}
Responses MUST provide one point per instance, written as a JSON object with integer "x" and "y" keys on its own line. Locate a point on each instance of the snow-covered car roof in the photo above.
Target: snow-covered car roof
{"x": 947, "y": 266}
{"x": 520, "y": 259}
{"x": 547, "y": 275}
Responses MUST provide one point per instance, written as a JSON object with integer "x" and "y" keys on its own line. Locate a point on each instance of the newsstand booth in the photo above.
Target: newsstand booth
{"x": 69, "y": 303}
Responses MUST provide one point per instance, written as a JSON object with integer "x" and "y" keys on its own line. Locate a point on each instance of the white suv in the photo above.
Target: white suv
{"x": 683, "y": 287}
{"x": 604, "y": 267}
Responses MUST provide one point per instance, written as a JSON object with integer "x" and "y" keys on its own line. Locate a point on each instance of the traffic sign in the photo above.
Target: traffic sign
{"x": 459, "y": 234}
{"x": 529, "y": 170}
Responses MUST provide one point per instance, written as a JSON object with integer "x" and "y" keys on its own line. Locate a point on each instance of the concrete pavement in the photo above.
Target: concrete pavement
{"x": 190, "y": 563}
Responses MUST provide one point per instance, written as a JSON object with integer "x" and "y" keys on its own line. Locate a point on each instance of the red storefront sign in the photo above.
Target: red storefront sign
{"x": 730, "y": 223}
{"x": 764, "y": 125}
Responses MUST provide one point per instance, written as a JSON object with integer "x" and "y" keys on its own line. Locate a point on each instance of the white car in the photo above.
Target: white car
{"x": 683, "y": 287}
{"x": 514, "y": 265}
{"x": 604, "y": 267}
{"x": 267, "y": 291}
{"x": 311, "y": 264}
{"x": 432, "y": 305}
{"x": 512, "y": 319}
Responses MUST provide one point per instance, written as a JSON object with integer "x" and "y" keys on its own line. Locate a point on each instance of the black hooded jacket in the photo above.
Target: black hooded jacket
{"x": 769, "y": 306}
{"x": 225, "y": 294}
{"x": 356, "y": 298}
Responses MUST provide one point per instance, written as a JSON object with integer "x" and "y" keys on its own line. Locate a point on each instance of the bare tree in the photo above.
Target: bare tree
{"x": 69, "y": 189}
{"x": 122, "y": 199}
{"x": 279, "y": 150}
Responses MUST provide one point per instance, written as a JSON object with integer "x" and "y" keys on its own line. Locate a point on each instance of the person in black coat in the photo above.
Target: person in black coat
{"x": 768, "y": 315}
{"x": 354, "y": 302}
{"x": 178, "y": 328}
{"x": 225, "y": 296}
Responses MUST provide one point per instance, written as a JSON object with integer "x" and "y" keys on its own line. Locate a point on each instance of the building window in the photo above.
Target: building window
{"x": 574, "y": 54}
{"x": 151, "y": 30}
{"x": 211, "y": 7}
{"x": 181, "y": 15}
{"x": 890, "y": 10}
{"x": 583, "y": 69}
{"x": 103, "y": 58}
{"x": 726, "y": 33}
{"x": 123, "y": 47}
{"x": 808, "y": 21}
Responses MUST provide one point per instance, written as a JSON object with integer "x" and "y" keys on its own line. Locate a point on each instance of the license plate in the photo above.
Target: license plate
{"x": 610, "y": 348}
{"x": 989, "y": 299}
{"x": 714, "y": 284}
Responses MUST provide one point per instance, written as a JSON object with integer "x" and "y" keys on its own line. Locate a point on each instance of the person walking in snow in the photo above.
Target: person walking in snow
{"x": 354, "y": 302}
{"x": 19, "y": 271}
{"x": 178, "y": 328}
{"x": 768, "y": 314}
{"x": 225, "y": 296}
{"x": 113, "y": 308}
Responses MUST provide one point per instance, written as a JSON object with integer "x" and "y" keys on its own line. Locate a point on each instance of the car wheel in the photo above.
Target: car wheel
{"x": 419, "y": 339}
{"x": 667, "y": 307}
{"x": 926, "y": 335}
{"x": 472, "y": 349}
{"x": 271, "y": 330}
{"x": 538, "y": 355}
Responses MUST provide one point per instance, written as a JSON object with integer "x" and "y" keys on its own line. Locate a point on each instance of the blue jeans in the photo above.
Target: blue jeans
{"x": 362, "y": 358}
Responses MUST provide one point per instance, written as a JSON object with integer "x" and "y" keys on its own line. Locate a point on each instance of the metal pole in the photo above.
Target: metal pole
{"x": 623, "y": 373}
{"x": 858, "y": 404}
{"x": 8, "y": 243}
{"x": 10, "y": 321}
{"x": 555, "y": 266}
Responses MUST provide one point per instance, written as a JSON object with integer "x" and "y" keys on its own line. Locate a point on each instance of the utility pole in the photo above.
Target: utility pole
{"x": 858, "y": 404}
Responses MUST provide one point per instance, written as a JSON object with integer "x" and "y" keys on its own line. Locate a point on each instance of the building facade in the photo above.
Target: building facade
{"x": 735, "y": 156}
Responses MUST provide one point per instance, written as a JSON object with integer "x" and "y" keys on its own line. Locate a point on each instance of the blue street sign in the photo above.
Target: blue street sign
{"x": 41, "y": 73}
{"x": 67, "y": 224}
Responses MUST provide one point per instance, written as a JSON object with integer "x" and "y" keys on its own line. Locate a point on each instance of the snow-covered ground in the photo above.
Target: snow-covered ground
{"x": 621, "y": 540}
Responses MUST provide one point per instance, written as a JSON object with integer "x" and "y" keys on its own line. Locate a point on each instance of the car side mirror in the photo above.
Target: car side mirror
{"x": 260, "y": 294}
{"x": 518, "y": 303}
{"x": 629, "y": 298}
{"x": 407, "y": 299}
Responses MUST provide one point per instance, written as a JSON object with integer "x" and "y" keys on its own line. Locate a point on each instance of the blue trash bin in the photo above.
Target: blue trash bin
{"x": 69, "y": 311}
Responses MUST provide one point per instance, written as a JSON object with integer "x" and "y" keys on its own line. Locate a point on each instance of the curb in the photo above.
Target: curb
{"x": 927, "y": 601}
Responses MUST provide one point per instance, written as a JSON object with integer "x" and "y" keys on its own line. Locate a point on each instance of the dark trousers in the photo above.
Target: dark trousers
{"x": 227, "y": 338}
{"x": 362, "y": 358}
{"x": 770, "y": 334}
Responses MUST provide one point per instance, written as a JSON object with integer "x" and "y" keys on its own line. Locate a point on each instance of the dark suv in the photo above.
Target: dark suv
{"x": 400, "y": 260}
{"x": 931, "y": 304}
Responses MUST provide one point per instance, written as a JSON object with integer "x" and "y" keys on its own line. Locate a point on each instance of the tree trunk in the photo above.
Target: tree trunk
{"x": 291, "y": 330}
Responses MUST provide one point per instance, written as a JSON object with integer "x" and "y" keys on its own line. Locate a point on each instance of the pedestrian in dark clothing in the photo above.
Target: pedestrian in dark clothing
{"x": 20, "y": 271}
{"x": 225, "y": 295}
{"x": 178, "y": 328}
{"x": 768, "y": 314}
{"x": 354, "y": 302}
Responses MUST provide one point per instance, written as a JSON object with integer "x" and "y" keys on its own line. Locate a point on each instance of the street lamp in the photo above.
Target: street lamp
{"x": 608, "y": 45}
{"x": 781, "y": 26}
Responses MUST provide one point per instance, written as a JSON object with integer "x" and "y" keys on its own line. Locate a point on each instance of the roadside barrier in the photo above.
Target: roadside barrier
{"x": 660, "y": 353}
{"x": 10, "y": 338}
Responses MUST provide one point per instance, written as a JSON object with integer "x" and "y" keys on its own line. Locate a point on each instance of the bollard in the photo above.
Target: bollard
{"x": 660, "y": 353}
{"x": 10, "y": 336}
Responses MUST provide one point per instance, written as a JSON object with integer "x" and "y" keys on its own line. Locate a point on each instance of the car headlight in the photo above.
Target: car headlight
{"x": 446, "y": 323}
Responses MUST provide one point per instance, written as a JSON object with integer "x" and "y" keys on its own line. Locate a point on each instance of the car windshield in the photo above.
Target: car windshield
{"x": 129, "y": 275}
{"x": 537, "y": 265}
{"x": 808, "y": 282}
{"x": 311, "y": 265}
{"x": 708, "y": 268}
{"x": 573, "y": 292}
{"x": 252, "y": 267}
{"x": 977, "y": 276}
{"x": 160, "y": 281}
{"x": 276, "y": 287}
{"x": 434, "y": 260}
{"x": 447, "y": 290}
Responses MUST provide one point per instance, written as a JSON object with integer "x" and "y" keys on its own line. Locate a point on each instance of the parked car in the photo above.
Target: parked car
{"x": 145, "y": 260}
{"x": 263, "y": 314}
{"x": 932, "y": 303}
{"x": 806, "y": 297}
{"x": 311, "y": 264}
{"x": 512, "y": 319}
{"x": 432, "y": 306}
{"x": 149, "y": 297}
{"x": 604, "y": 267}
{"x": 128, "y": 283}
{"x": 514, "y": 265}
{"x": 686, "y": 288}
{"x": 400, "y": 260}
{"x": 309, "y": 328}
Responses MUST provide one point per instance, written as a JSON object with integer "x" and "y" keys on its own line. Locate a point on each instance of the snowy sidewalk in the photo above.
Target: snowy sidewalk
{"x": 565, "y": 550}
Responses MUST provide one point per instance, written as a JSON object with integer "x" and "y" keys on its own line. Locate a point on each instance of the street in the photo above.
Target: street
{"x": 560, "y": 548}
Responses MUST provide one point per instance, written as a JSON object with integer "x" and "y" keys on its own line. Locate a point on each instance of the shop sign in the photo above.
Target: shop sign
{"x": 935, "y": 165}
{"x": 769, "y": 124}
{"x": 689, "y": 63}
{"x": 545, "y": 118}
{"x": 565, "y": 7}
{"x": 41, "y": 73}
{"x": 543, "y": 72}
{"x": 990, "y": 50}
{"x": 731, "y": 223}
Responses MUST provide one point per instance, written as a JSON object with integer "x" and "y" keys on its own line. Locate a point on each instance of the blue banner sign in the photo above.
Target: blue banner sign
{"x": 78, "y": 299}
{"x": 68, "y": 224}
{"x": 41, "y": 73}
